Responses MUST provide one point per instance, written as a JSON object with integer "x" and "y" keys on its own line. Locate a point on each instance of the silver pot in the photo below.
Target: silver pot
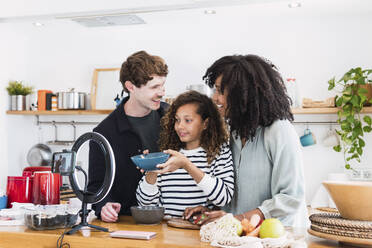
{"x": 71, "y": 100}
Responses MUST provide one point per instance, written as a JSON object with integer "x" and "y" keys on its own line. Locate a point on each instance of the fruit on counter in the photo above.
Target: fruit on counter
{"x": 255, "y": 232}
{"x": 255, "y": 220}
{"x": 271, "y": 228}
{"x": 247, "y": 226}
{"x": 238, "y": 226}
{"x": 251, "y": 225}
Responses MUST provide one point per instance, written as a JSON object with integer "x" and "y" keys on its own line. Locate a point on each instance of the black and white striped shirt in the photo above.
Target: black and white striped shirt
{"x": 177, "y": 190}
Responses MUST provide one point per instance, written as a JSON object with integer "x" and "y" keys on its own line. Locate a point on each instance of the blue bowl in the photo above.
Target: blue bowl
{"x": 149, "y": 161}
{"x": 3, "y": 201}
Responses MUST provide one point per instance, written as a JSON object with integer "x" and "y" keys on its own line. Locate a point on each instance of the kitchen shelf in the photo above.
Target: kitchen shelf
{"x": 295, "y": 111}
{"x": 62, "y": 112}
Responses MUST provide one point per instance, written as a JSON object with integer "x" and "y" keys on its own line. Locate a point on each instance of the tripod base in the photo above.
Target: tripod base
{"x": 82, "y": 225}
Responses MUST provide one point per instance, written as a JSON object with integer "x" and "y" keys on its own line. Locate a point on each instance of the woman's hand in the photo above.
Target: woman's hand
{"x": 248, "y": 215}
{"x": 176, "y": 161}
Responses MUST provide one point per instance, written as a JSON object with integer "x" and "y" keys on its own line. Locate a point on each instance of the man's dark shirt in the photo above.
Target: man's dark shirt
{"x": 125, "y": 142}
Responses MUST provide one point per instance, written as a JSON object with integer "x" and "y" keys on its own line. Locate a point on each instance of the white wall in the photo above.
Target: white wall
{"x": 311, "y": 46}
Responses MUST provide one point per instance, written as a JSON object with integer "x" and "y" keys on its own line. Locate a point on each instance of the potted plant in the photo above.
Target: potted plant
{"x": 17, "y": 92}
{"x": 355, "y": 93}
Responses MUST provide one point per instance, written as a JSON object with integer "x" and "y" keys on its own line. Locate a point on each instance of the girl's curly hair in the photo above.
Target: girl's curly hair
{"x": 212, "y": 137}
{"x": 256, "y": 95}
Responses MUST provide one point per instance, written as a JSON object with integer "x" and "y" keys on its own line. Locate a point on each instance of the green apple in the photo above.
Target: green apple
{"x": 271, "y": 228}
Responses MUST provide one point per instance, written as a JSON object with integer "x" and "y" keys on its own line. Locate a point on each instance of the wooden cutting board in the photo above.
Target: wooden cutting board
{"x": 181, "y": 223}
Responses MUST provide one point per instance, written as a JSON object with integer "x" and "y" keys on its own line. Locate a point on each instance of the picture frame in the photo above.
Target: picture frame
{"x": 105, "y": 88}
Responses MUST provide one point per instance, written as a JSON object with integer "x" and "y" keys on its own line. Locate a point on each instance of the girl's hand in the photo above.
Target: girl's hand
{"x": 176, "y": 161}
{"x": 190, "y": 211}
{"x": 211, "y": 215}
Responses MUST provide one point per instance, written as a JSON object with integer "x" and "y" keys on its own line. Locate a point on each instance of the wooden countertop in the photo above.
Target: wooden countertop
{"x": 169, "y": 237}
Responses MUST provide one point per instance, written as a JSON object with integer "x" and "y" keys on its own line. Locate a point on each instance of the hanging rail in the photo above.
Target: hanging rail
{"x": 38, "y": 122}
{"x": 315, "y": 122}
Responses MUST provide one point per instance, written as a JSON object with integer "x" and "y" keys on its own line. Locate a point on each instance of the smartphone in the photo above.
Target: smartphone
{"x": 64, "y": 162}
{"x": 133, "y": 234}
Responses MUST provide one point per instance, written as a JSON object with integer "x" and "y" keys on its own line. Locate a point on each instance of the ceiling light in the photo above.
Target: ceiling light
{"x": 210, "y": 12}
{"x": 38, "y": 24}
{"x": 294, "y": 5}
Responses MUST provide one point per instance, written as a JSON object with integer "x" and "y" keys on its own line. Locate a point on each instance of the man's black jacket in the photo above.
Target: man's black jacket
{"x": 125, "y": 143}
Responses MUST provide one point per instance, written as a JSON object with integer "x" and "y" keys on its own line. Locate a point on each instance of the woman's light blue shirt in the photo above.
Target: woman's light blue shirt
{"x": 269, "y": 174}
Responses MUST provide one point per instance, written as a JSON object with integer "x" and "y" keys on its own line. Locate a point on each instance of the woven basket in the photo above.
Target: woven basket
{"x": 333, "y": 223}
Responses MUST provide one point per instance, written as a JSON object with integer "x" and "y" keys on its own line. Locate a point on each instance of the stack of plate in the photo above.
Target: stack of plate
{"x": 333, "y": 226}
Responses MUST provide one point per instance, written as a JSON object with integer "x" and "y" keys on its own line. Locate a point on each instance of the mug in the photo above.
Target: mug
{"x": 3, "y": 201}
{"x": 19, "y": 189}
{"x": 45, "y": 190}
{"x": 308, "y": 138}
{"x": 331, "y": 139}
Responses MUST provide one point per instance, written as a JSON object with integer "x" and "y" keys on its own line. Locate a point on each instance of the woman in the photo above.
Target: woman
{"x": 269, "y": 179}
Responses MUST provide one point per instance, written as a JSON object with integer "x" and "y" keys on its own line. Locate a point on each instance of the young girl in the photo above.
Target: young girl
{"x": 201, "y": 172}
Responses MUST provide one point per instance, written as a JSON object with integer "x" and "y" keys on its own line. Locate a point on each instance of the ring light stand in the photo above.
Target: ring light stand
{"x": 84, "y": 195}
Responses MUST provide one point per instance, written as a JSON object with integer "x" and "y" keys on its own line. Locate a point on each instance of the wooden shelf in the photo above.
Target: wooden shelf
{"x": 295, "y": 111}
{"x": 62, "y": 112}
{"x": 324, "y": 110}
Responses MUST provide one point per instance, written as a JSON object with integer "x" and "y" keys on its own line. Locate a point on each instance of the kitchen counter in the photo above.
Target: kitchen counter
{"x": 21, "y": 236}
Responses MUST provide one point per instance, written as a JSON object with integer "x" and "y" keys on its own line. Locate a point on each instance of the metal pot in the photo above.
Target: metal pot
{"x": 71, "y": 100}
{"x": 201, "y": 88}
{"x": 39, "y": 155}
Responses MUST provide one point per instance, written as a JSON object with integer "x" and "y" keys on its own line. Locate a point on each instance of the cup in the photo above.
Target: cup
{"x": 331, "y": 139}
{"x": 308, "y": 138}
{"x": 45, "y": 190}
{"x": 19, "y": 189}
{"x": 3, "y": 201}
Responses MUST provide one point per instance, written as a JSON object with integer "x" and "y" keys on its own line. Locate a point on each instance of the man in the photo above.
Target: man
{"x": 130, "y": 129}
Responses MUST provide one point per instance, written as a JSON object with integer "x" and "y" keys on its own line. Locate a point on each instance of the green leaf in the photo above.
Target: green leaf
{"x": 355, "y": 100}
{"x": 339, "y": 101}
{"x": 347, "y": 166}
{"x": 367, "y": 129}
{"x": 345, "y": 126}
{"x": 360, "y": 151}
{"x": 337, "y": 148}
{"x": 346, "y": 98}
{"x": 361, "y": 80}
{"x": 367, "y": 120}
{"x": 346, "y": 77}
{"x": 331, "y": 83}
{"x": 361, "y": 142}
{"x": 350, "y": 119}
{"x": 362, "y": 91}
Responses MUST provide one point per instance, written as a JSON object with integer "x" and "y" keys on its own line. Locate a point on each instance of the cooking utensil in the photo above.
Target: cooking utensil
{"x": 71, "y": 99}
{"x": 19, "y": 189}
{"x": 39, "y": 155}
